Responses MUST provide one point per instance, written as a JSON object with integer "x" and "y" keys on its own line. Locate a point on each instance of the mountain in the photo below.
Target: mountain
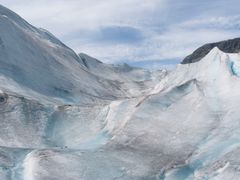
{"x": 36, "y": 60}
{"x": 228, "y": 46}
{"x": 130, "y": 78}
{"x": 69, "y": 116}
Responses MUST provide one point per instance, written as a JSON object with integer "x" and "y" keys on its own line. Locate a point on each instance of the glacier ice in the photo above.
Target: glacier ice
{"x": 69, "y": 116}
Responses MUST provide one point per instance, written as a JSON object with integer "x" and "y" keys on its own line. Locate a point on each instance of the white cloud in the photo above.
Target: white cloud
{"x": 170, "y": 29}
{"x": 174, "y": 43}
{"x": 220, "y": 22}
{"x": 62, "y": 16}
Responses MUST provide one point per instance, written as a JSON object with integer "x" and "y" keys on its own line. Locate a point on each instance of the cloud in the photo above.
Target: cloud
{"x": 133, "y": 31}
{"x": 174, "y": 43}
{"x": 221, "y": 22}
{"x": 65, "y": 16}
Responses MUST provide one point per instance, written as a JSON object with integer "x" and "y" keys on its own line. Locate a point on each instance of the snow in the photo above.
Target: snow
{"x": 68, "y": 116}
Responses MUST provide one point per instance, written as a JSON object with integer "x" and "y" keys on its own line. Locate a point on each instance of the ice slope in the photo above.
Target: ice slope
{"x": 186, "y": 128}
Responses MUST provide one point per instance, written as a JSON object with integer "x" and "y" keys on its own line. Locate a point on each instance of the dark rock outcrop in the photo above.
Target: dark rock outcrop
{"x": 228, "y": 46}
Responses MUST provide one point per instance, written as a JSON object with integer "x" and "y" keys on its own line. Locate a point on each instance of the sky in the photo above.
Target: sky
{"x": 147, "y": 33}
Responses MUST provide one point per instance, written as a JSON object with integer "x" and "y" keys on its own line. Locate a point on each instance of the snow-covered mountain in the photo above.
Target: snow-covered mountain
{"x": 68, "y": 116}
{"x": 36, "y": 60}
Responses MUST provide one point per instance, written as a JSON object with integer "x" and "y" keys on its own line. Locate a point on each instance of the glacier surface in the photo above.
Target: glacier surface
{"x": 69, "y": 116}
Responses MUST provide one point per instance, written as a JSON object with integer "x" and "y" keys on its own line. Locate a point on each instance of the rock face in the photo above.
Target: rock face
{"x": 228, "y": 46}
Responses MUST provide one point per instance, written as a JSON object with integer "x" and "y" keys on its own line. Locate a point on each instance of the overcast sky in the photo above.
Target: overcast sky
{"x": 134, "y": 31}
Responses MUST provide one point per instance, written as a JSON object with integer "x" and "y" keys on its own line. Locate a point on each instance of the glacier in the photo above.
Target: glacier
{"x": 69, "y": 116}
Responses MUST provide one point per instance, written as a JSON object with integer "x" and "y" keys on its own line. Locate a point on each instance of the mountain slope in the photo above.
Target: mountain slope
{"x": 38, "y": 61}
{"x": 132, "y": 79}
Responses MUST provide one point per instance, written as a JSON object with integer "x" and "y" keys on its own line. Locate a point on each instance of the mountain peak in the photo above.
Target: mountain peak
{"x": 7, "y": 13}
{"x": 88, "y": 60}
{"x": 227, "y": 46}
